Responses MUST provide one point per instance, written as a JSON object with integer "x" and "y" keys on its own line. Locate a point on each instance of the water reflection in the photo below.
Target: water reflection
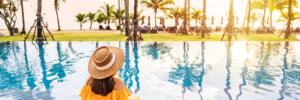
{"x": 156, "y": 50}
{"x": 268, "y": 70}
{"x": 128, "y": 72}
{"x": 228, "y": 65}
{"x": 191, "y": 74}
{"x": 244, "y": 73}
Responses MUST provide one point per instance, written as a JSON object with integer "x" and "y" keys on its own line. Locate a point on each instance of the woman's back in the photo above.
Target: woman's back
{"x": 120, "y": 92}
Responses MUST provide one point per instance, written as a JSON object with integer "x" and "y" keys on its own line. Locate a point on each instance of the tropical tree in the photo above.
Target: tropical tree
{"x": 81, "y": 19}
{"x": 196, "y": 15}
{"x": 23, "y": 17}
{"x": 184, "y": 18}
{"x": 119, "y": 15}
{"x": 8, "y": 14}
{"x": 91, "y": 17}
{"x": 287, "y": 6}
{"x": 204, "y": 19}
{"x": 175, "y": 13}
{"x": 261, "y": 4}
{"x": 108, "y": 11}
{"x": 157, "y": 5}
{"x": 56, "y": 6}
{"x": 254, "y": 17}
{"x": 284, "y": 17}
{"x": 139, "y": 17}
{"x": 100, "y": 19}
{"x": 126, "y": 3}
{"x": 272, "y": 6}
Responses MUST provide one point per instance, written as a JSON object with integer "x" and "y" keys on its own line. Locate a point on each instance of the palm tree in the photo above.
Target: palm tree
{"x": 56, "y": 6}
{"x": 196, "y": 15}
{"x": 175, "y": 13}
{"x": 100, "y": 19}
{"x": 139, "y": 17}
{"x": 91, "y": 17}
{"x": 249, "y": 16}
{"x": 157, "y": 5}
{"x": 254, "y": 17}
{"x": 126, "y": 3}
{"x": 184, "y": 18}
{"x": 108, "y": 10}
{"x": 81, "y": 18}
{"x": 23, "y": 18}
{"x": 290, "y": 16}
{"x": 284, "y": 17}
{"x": 261, "y": 4}
{"x": 204, "y": 19}
{"x": 119, "y": 14}
{"x": 272, "y": 7}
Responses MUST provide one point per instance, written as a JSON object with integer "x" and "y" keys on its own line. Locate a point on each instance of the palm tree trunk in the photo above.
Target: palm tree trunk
{"x": 126, "y": 3}
{"x": 23, "y": 18}
{"x": 184, "y": 21}
{"x": 91, "y": 25}
{"x": 57, "y": 17}
{"x": 245, "y": 17}
{"x": 196, "y": 25}
{"x": 80, "y": 26}
{"x": 155, "y": 11}
{"x": 231, "y": 22}
{"x": 288, "y": 30}
{"x": 271, "y": 19}
{"x": 263, "y": 19}
{"x": 189, "y": 4}
{"x": 119, "y": 14}
{"x": 176, "y": 22}
{"x": 249, "y": 16}
{"x": 203, "y": 20}
{"x": 135, "y": 21}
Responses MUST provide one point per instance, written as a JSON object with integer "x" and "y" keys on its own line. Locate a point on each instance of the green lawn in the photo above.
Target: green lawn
{"x": 148, "y": 37}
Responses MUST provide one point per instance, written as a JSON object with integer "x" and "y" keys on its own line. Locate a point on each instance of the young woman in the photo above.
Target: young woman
{"x": 102, "y": 84}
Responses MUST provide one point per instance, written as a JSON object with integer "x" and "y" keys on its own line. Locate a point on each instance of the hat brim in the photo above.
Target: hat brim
{"x": 101, "y": 74}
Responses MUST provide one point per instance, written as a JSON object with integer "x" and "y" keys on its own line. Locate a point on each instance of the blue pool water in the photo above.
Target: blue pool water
{"x": 156, "y": 70}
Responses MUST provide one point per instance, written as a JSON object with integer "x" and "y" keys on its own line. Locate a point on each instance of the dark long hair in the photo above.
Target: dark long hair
{"x": 103, "y": 86}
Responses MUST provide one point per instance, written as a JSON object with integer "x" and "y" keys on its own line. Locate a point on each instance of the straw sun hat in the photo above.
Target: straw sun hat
{"x": 105, "y": 62}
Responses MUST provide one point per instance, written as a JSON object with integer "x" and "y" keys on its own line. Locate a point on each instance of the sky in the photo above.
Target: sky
{"x": 69, "y": 9}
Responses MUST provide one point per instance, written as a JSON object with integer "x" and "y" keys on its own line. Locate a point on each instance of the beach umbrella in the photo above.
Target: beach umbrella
{"x": 212, "y": 20}
{"x": 149, "y": 21}
{"x": 222, "y": 20}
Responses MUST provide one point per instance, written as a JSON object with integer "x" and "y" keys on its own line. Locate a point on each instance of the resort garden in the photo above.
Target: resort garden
{"x": 149, "y": 49}
{"x": 190, "y": 24}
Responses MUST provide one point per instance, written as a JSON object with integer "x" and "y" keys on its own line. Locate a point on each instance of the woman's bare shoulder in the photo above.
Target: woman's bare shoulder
{"x": 119, "y": 83}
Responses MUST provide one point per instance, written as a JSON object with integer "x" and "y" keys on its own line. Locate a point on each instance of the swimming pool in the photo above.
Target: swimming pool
{"x": 156, "y": 70}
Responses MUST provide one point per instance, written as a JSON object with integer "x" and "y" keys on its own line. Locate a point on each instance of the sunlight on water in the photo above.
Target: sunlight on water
{"x": 156, "y": 70}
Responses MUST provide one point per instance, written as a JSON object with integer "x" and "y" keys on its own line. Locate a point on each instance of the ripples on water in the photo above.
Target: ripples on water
{"x": 156, "y": 70}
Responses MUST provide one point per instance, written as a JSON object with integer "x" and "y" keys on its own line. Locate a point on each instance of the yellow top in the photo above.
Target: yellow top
{"x": 87, "y": 94}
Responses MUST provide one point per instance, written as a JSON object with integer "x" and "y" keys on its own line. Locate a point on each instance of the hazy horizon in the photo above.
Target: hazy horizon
{"x": 69, "y": 9}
